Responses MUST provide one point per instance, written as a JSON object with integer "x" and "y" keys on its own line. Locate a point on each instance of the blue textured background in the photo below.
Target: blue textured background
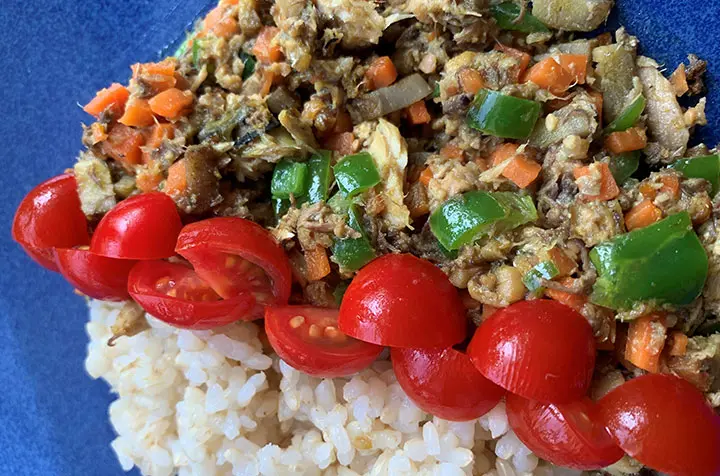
{"x": 56, "y": 53}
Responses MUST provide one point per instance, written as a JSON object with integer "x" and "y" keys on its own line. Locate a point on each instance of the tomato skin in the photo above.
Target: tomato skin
{"x": 399, "y": 300}
{"x": 207, "y": 243}
{"x": 50, "y": 217}
{"x": 319, "y": 356}
{"x": 145, "y": 226}
{"x": 185, "y": 313}
{"x": 541, "y": 350}
{"x": 93, "y": 275}
{"x": 665, "y": 423}
{"x": 445, "y": 383}
{"x": 567, "y": 434}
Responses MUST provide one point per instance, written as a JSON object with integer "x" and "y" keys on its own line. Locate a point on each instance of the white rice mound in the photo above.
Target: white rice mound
{"x": 212, "y": 403}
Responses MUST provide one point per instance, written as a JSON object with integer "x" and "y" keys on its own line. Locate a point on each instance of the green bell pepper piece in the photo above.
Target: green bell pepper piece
{"x": 505, "y": 116}
{"x": 353, "y": 253}
{"x": 319, "y": 181}
{"x": 623, "y": 166}
{"x": 628, "y": 117}
{"x": 706, "y": 167}
{"x": 356, "y": 173}
{"x": 183, "y": 46}
{"x": 664, "y": 262}
{"x": 280, "y": 207}
{"x": 467, "y": 217}
{"x": 436, "y": 91}
{"x": 506, "y": 13}
{"x": 533, "y": 279}
{"x": 197, "y": 47}
{"x": 289, "y": 178}
{"x": 249, "y": 62}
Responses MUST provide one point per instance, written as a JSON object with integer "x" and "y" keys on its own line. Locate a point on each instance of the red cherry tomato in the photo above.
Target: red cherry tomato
{"x": 49, "y": 217}
{"x": 444, "y": 382}
{"x": 175, "y": 294}
{"x": 145, "y": 226}
{"x": 403, "y": 301}
{"x": 94, "y": 275}
{"x": 308, "y": 339}
{"x": 236, "y": 256}
{"x": 540, "y": 349}
{"x": 565, "y": 434}
{"x": 665, "y": 423}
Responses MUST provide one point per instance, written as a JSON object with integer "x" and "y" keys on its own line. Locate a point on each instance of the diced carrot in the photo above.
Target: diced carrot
{"x": 641, "y": 215}
{"x": 647, "y": 190}
{"x": 575, "y": 301}
{"x": 679, "y": 80}
{"x": 548, "y": 74}
{"x": 342, "y": 143}
{"x": 176, "y": 182}
{"x": 576, "y": 65}
{"x": 265, "y": 49}
{"x": 565, "y": 265}
{"x": 451, "y": 151}
{"x": 99, "y": 132}
{"x": 646, "y": 339}
{"x": 419, "y": 209}
{"x": 318, "y": 265}
{"x": 515, "y": 53}
{"x": 677, "y": 343}
{"x": 112, "y": 98}
{"x": 626, "y": 141}
{"x": 608, "y": 187}
{"x": 219, "y": 22}
{"x": 148, "y": 180}
{"x": 381, "y": 73}
{"x": 137, "y": 113}
{"x": 471, "y": 81}
{"x": 598, "y": 100}
{"x": 158, "y": 134}
{"x": 418, "y": 113}
{"x": 229, "y": 2}
{"x": 172, "y": 103}
{"x": 426, "y": 176}
{"x": 123, "y": 144}
{"x": 520, "y": 170}
{"x": 158, "y": 76}
{"x": 343, "y": 122}
{"x": 671, "y": 185}
{"x": 268, "y": 78}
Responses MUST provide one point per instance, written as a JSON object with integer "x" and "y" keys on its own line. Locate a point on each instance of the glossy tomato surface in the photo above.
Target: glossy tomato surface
{"x": 541, "y": 350}
{"x": 308, "y": 339}
{"x": 567, "y": 434}
{"x": 445, "y": 383}
{"x": 50, "y": 217}
{"x": 175, "y": 294}
{"x": 665, "y": 423}
{"x": 237, "y": 256}
{"x": 399, "y": 300}
{"x": 93, "y": 275}
{"x": 145, "y": 226}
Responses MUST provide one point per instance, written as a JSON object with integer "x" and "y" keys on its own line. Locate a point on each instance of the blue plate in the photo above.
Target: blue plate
{"x": 53, "y": 418}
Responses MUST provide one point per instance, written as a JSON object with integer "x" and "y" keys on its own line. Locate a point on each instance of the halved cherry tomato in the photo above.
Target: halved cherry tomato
{"x": 236, "y": 256}
{"x": 145, "y": 226}
{"x": 403, "y": 301}
{"x": 175, "y": 294}
{"x": 308, "y": 339}
{"x": 48, "y": 217}
{"x": 566, "y": 434}
{"x": 93, "y": 275}
{"x": 540, "y": 349}
{"x": 665, "y": 423}
{"x": 444, "y": 382}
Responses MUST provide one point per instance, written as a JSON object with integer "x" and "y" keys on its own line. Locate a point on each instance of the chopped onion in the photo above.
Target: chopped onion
{"x": 400, "y": 95}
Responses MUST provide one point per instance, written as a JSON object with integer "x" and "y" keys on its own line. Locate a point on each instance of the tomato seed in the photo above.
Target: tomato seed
{"x": 314, "y": 331}
{"x": 333, "y": 333}
{"x": 297, "y": 321}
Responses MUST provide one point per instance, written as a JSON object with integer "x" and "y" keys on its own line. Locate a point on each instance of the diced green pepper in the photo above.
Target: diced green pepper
{"x": 624, "y": 165}
{"x": 353, "y": 253}
{"x": 533, "y": 279}
{"x": 356, "y": 173}
{"x": 449, "y": 254}
{"x": 196, "y": 52}
{"x": 436, "y": 91}
{"x": 467, "y": 217}
{"x": 664, "y": 262}
{"x": 280, "y": 207}
{"x": 183, "y": 46}
{"x": 289, "y": 178}
{"x": 249, "y": 62}
{"x": 507, "y": 13}
{"x": 706, "y": 167}
{"x": 628, "y": 117}
{"x": 339, "y": 292}
{"x": 505, "y": 116}
{"x": 319, "y": 180}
